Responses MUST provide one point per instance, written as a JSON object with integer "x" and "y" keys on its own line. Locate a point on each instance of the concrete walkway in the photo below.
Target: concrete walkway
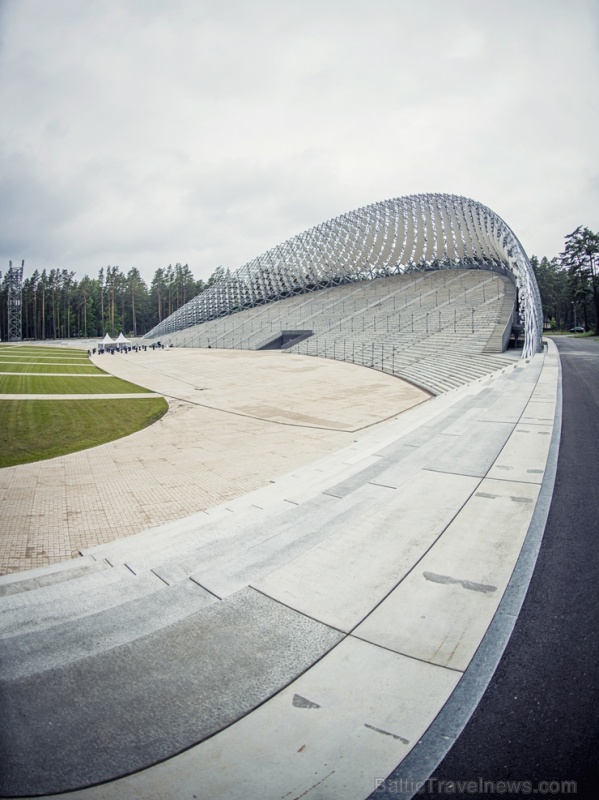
{"x": 539, "y": 717}
{"x": 295, "y": 642}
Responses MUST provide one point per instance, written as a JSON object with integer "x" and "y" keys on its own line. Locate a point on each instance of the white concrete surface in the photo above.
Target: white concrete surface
{"x": 441, "y": 610}
{"x": 330, "y": 734}
{"x": 342, "y": 579}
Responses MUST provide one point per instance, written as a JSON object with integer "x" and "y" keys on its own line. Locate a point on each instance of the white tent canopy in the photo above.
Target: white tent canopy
{"x": 107, "y": 340}
{"x": 121, "y": 339}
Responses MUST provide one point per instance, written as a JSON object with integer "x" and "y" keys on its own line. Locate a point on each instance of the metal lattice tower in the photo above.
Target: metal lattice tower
{"x": 15, "y": 305}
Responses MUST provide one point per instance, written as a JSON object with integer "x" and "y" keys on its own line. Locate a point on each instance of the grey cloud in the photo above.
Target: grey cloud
{"x": 141, "y": 133}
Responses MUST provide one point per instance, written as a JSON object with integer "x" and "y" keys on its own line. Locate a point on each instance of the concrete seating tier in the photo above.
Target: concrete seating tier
{"x": 439, "y": 329}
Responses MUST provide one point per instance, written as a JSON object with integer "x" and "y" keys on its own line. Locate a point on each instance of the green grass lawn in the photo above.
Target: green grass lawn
{"x": 53, "y": 353}
{"x": 30, "y": 358}
{"x": 49, "y": 366}
{"x": 84, "y": 368}
{"x": 27, "y": 355}
{"x": 36, "y": 429}
{"x": 48, "y": 384}
{"x": 13, "y": 357}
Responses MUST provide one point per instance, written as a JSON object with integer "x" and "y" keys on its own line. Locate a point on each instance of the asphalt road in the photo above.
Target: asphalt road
{"x": 538, "y": 721}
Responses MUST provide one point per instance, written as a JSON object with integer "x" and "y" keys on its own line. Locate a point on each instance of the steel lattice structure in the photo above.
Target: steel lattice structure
{"x": 405, "y": 234}
{"x": 15, "y": 290}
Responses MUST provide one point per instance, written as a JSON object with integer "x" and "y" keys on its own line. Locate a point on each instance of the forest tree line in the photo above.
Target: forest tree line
{"x": 55, "y": 305}
{"x": 569, "y": 283}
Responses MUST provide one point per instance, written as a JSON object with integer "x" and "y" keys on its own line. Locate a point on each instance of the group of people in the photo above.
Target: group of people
{"x": 136, "y": 348}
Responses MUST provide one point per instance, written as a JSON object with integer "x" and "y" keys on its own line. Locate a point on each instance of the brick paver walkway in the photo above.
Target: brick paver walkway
{"x": 237, "y": 419}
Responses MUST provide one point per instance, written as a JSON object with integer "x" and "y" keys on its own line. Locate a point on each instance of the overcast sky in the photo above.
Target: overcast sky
{"x": 145, "y": 132}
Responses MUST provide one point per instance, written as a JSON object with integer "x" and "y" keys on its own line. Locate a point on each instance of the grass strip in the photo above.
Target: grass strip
{"x": 27, "y": 358}
{"x": 47, "y": 384}
{"x": 37, "y": 429}
{"x": 43, "y": 352}
{"x": 85, "y": 368}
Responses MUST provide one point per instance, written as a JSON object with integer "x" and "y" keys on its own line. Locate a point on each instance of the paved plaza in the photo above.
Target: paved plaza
{"x": 236, "y": 421}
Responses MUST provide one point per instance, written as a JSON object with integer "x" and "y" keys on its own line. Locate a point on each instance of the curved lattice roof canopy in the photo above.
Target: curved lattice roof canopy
{"x": 405, "y": 234}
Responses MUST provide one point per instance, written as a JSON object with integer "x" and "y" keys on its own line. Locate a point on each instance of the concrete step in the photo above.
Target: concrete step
{"x": 36, "y": 600}
{"x": 373, "y": 307}
{"x": 33, "y": 651}
{"x": 235, "y": 570}
{"x": 124, "y": 587}
{"x": 139, "y": 540}
{"x": 253, "y": 542}
{"x": 152, "y": 697}
{"x": 139, "y": 552}
{"x": 16, "y": 582}
{"x": 177, "y": 540}
{"x": 170, "y": 559}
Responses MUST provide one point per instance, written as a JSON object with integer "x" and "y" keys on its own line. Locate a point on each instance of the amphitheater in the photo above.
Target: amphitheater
{"x": 323, "y": 621}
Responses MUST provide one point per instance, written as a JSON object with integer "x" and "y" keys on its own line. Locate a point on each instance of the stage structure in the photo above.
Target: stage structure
{"x": 406, "y": 234}
{"x": 15, "y": 306}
